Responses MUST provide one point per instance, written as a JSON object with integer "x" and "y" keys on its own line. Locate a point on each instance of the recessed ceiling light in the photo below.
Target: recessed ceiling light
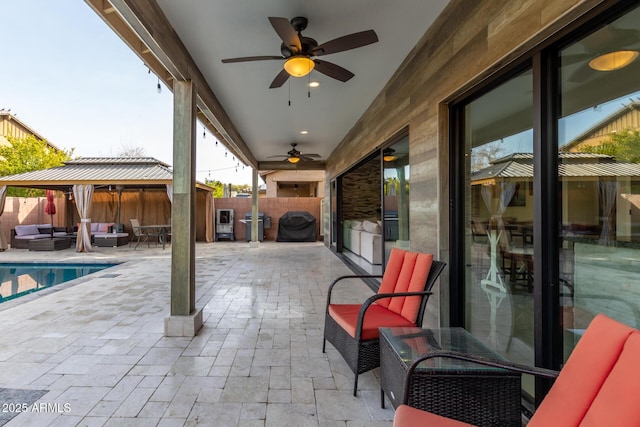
{"x": 304, "y": 132}
{"x": 314, "y": 84}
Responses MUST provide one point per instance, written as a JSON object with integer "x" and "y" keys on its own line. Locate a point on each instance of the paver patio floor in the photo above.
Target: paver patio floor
{"x": 97, "y": 347}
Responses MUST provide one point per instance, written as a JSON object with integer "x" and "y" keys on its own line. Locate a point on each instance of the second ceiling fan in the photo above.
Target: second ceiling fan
{"x": 294, "y": 156}
{"x": 299, "y": 51}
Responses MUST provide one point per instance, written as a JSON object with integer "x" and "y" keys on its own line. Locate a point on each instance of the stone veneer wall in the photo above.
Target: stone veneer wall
{"x": 361, "y": 190}
{"x": 467, "y": 43}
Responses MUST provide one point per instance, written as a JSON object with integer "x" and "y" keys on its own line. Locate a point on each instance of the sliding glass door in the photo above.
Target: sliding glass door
{"x": 599, "y": 178}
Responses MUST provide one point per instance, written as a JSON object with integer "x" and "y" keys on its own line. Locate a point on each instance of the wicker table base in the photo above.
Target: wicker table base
{"x": 459, "y": 390}
{"x": 111, "y": 239}
{"x": 55, "y": 244}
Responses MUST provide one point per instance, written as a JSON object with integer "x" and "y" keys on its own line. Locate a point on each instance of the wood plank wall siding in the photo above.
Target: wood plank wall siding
{"x": 468, "y": 42}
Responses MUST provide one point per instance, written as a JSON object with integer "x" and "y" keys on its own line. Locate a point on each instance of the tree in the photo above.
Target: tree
{"x": 218, "y": 188}
{"x": 623, "y": 145}
{"x": 483, "y": 156}
{"x": 26, "y": 155}
{"x": 130, "y": 151}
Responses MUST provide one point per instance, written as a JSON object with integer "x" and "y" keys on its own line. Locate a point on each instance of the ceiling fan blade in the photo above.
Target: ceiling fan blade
{"x": 317, "y": 156}
{"x": 581, "y": 74}
{"x": 287, "y": 33}
{"x": 574, "y": 58}
{"x": 250, "y": 58}
{"x": 347, "y": 42}
{"x": 280, "y": 79}
{"x": 275, "y": 157}
{"x": 305, "y": 158}
{"x": 332, "y": 70}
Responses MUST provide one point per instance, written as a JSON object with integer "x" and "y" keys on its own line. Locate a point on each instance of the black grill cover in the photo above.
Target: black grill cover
{"x": 297, "y": 227}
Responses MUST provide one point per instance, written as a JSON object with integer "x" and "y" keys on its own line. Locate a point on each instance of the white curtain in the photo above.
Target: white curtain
{"x": 84, "y": 199}
{"x": 608, "y": 195}
{"x": 3, "y": 197}
{"x": 209, "y": 214}
{"x": 170, "y": 192}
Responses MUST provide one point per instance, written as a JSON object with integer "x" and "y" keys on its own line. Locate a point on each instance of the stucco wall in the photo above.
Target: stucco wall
{"x": 466, "y": 44}
{"x": 273, "y": 207}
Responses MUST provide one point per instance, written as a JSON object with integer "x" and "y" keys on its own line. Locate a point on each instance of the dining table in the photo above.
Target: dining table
{"x": 160, "y": 231}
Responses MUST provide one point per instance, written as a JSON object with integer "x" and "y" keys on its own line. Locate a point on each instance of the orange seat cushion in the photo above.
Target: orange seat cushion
{"x": 346, "y": 315}
{"x": 406, "y": 416}
{"x": 617, "y": 402}
{"x": 583, "y": 375}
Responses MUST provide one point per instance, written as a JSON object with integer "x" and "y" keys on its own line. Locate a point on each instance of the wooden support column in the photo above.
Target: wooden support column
{"x": 255, "y": 240}
{"x": 185, "y": 319}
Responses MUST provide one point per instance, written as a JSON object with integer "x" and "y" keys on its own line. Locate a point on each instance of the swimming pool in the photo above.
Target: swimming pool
{"x": 18, "y": 279}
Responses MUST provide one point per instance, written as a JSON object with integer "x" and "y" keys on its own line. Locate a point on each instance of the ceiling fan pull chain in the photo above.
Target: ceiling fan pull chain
{"x": 289, "y": 93}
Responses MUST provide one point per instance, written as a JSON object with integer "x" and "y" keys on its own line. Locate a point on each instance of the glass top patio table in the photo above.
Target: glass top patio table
{"x": 411, "y": 343}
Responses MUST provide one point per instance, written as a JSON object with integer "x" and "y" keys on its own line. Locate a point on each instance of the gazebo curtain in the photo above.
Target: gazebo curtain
{"x": 170, "y": 192}
{"x": 3, "y": 197}
{"x": 84, "y": 198}
{"x": 208, "y": 224}
{"x": 608, "y": 196}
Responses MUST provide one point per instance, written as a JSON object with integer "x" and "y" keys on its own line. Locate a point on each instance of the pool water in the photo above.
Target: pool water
{"x": 18, "y": 279}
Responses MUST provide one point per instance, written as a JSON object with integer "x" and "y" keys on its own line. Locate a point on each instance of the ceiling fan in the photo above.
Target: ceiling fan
{"x": 294, "y": 156}
{"x": 298, "y": 51}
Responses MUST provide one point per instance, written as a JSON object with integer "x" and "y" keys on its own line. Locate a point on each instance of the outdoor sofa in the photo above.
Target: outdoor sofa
{"x": 22, "y": 234}
{"x": 101, "y": 234}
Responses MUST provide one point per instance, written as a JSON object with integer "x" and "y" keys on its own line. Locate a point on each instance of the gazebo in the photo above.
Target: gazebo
{"x": 118, "y": 188}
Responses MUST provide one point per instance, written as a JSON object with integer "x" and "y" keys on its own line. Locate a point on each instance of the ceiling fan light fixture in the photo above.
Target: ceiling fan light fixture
{"x": 388, "y": 155}
{"x": 299, "y": 65}
{"x": 613, "y": 60}
{"x": 293, "y": 160}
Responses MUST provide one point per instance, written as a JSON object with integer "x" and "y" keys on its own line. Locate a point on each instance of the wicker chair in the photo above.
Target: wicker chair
{"x": 598, "y": 385}
{"x": 400, "y": 301}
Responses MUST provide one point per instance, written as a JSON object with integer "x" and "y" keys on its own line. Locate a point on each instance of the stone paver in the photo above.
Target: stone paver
{"x": 97, "y": 346}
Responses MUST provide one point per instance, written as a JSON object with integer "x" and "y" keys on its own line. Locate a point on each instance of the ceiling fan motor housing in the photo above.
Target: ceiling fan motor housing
{"x": 299, "y": 23}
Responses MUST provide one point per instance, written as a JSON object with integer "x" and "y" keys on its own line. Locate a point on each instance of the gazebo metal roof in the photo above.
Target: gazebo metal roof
{"x": 139, "y": 172}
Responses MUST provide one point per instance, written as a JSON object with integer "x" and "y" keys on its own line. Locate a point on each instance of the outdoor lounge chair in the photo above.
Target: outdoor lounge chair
{"x": 401, "y": 299}
{"x": 598, "y": 386}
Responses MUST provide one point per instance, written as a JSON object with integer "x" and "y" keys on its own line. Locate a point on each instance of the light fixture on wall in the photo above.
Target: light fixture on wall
{"x": 613, "y": 60}
{"x": 299, "y": 65}
{"x": 388, "y": 155}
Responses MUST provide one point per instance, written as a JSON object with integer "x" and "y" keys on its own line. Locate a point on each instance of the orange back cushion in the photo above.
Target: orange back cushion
{"x": 617, "y": 402}
{"x": 583, "y": 375}
{"x": 417, "y": 284}
{"x": 405, "y": 272}
{"x": 402, "y": 285}
{"x": 391, "y": 274}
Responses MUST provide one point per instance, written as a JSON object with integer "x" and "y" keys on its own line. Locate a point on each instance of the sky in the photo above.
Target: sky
{"x": 70, "y": 78}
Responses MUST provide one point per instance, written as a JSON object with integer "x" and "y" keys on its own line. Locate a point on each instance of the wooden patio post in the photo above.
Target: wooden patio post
{"x": 185, "y": 319}
{"x": 255, "y": 239}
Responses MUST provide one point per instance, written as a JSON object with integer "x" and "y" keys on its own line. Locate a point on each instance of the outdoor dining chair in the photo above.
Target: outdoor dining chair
{"x": 401, "y": 299}
{"x": 597, "y": 386}
{"x": 140, "y": 234}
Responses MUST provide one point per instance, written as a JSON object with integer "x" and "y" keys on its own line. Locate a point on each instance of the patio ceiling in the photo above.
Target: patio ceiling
{"x": 188, "y": 39}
